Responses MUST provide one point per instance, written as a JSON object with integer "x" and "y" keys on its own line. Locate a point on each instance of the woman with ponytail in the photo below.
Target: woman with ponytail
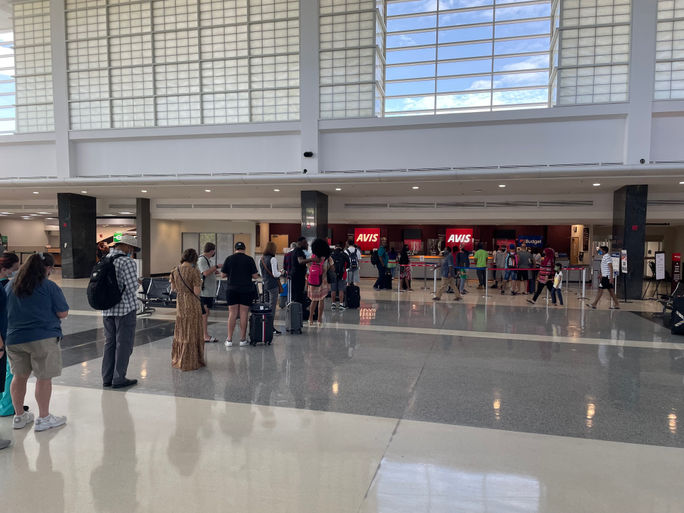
{"x": 35, "y": 308}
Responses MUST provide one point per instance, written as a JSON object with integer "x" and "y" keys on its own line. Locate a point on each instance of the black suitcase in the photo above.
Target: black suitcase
{"x": 260, "y": 328}
{"x": 677, "y": 317}
{"x": 353, "y": 296}
{"x": 387, "y": 281}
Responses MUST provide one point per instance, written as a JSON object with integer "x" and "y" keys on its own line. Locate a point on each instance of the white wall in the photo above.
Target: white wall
{"x": 165, "y": 241}
{"x": 189, "y": 155}
{"x": 28, "y": 159}
{"x": 24, "y": 235}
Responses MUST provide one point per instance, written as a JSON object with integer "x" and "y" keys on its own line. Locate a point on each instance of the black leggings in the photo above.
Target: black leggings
{"x": 540, "y": 288}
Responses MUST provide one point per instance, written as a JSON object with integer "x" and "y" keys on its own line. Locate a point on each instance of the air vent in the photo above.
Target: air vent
{"x": 664, "y": 202}
{"x": 211, "y": 205}
{"x": 572, "y": 164}
{"x": 287, "y": 206}
{"x": 36, "y": 207}
{"x": 247, "y": 205}
{"x": 174, "y": 205}
{"x": 411, "y": 205}
{"x": 568, "y": 203}
{"x": 430, "y": 169}
{"x": 365, "y": 205}
{"x": 121, "y": 206}
{"x": 511, "y": 204}
{"x": 462, "y": 204}
{"x": 12, "y": 207}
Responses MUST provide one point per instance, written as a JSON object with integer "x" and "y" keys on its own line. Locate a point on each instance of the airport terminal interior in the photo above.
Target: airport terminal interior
{"x": 548, "y": 126}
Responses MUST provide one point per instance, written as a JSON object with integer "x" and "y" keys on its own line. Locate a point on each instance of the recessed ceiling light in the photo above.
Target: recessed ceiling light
{"x": 36, "y": 192}
{"x": 502, "y": 185}
{"x": 34, "y": 215}
{"x": 276, "y": 190}
{"x": 5, "y": 213}
{"x": 596, "y": 184}
{"x": 126, "y": 213}
{"x": 44, "y": 213}
{"x": 49, "y": 218}
{"x": 338, "y": 188}
{"x": 144, "y": 191}
{"x": 415, "y": 187}
{"x": 84, "y": 192}
{"x": 207, "y": 190}
{"x": 681, "y": 183}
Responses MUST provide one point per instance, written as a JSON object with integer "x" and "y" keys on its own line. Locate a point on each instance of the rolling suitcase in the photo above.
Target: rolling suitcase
{"x": 353, "y": 296}
{"x": 387, "y": 281}
{"x": 294, "y": 313}
{"x": 261, "y": 320}
{"x": 677, "y": 318}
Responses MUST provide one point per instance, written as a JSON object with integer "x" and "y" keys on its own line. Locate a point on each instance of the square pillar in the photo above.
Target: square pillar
{"x": 314, "y": 215}
{"x": 629, "y": 232}
{"x": 142, "y": 230}
{"x": 77, "y": 234}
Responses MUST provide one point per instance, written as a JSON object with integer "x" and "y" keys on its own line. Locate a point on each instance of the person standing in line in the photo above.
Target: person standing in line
{"x": 341, "y": 263}
{"x": 241, "y": 272}
{"x": 392, "y": 261}
{"x": 318, "y": 286}
{"x": 268, "y": 265}
{"x": 119, "y": 321}
{"x": 481, "y": 257}
{"x": 511, "y": 275}
{"x": 354, "y": 255}
{"x": 524, "y": 263}
{"x": 9, "y": 264}
{"x": 499, "y": 265}
{"x": 35, "y": 309}
{"x": 607, "y": 280}
{"x": 463, "y": 262}
{"x": 299, "y": 263}
{"x": 208, "y": 268}
{"x": 187, "y": 351}
{"x": 405, "y": 268}
{"x": 557, "y": 285}
{"x": 448, "y": 279}
{"x": 287, "y": 260}
{"x": 545, "y": 276}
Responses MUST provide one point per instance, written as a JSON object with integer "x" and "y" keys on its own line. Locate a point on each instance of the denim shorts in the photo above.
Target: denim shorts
{"x": 510, "y": 275}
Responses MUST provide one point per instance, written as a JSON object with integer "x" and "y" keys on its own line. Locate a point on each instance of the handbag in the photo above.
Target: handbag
{"x": 204, "y": 312}
{"x": 269, "y": 271}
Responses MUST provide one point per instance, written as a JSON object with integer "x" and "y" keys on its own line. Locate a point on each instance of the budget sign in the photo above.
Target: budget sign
{"x": 458, "y": 236}
{"x": 367, "y": 239}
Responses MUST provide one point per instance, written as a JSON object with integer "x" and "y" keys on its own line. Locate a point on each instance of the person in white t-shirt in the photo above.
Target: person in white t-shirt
{"x": 607, "y": 281}
{"x": 557, "y": 285}
{"x": 206, "y": 264}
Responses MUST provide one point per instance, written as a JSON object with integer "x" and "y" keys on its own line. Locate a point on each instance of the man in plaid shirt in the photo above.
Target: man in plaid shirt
{"x": 119, "y": 321}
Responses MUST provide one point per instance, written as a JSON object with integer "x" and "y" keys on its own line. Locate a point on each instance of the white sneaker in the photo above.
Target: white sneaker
{"x": 341, "y": 307}
{"x": 20, "y": 421}
{"x": 48, "y": 422}
{"x": 333, "y": 306}
{"x": 243, "y": 343}
{"x": 228, "y": 343}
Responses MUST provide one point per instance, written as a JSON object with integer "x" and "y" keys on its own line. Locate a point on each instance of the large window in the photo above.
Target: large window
{"x": 182, "y": 62}
{"x": 593, "y": 61}
{"x": 7, "y": 86}
{"x": 669, "y": 75}
{"x": 33, "y": 67}
{"x": 466, "y": 55}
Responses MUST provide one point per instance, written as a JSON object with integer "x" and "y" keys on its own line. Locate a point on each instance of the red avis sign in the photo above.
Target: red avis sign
{"x": 367, "y": 239}
{"x": 458, "y": 236}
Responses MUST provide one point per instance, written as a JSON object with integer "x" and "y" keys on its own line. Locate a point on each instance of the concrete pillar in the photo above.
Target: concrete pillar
{"x": 314, "y": 215}
{"x": 77, "y": 234}
{"x": 629, "y": 232}
{"x": 142, "y": 226}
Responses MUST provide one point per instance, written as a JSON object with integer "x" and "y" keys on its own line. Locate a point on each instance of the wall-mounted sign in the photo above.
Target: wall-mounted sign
{"x": 623, "y": 261}
{"x": 117, "y": 236}
{"x": 367, "y": 239}
{"x": 676, "y": 267}
{"x": 660, "y": 265}
{"x": 532, "y": 241}
{"x": 459, "y": 236}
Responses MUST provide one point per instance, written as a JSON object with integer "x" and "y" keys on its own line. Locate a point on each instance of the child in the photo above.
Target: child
{"x": 557, "y": 285}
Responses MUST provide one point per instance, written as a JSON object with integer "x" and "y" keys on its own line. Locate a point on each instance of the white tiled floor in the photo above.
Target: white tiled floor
{"x": 124, "y": 452}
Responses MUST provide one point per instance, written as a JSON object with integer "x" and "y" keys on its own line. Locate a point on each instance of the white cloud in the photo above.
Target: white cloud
{"x": 533, "y": 62}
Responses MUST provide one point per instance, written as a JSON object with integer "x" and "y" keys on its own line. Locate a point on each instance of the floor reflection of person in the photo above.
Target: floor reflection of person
{"x": 114, "y": 481}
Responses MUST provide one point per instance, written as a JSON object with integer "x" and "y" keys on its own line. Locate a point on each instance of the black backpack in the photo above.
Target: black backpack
{"x": 341, "y": 261}
{"x": 375, "y": 258}
{"x": 103, "y": 289}
{"x": 353, "y": 259}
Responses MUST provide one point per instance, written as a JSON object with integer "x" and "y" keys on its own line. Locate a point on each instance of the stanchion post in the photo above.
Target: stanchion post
{"x": 434, "y": 281}
{"x": 584, "y": 283}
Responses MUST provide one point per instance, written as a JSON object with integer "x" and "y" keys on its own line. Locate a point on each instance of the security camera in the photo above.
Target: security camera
{"x": 308, "y": 154}
{"x": 305, "y": 171}
{"x": 643, "y": 161}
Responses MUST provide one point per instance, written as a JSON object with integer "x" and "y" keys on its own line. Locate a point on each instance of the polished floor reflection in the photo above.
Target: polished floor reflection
{"x": 403, "y": 405}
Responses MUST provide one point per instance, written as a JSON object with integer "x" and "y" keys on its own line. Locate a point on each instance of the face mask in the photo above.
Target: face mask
{"x": 600, "y": 252}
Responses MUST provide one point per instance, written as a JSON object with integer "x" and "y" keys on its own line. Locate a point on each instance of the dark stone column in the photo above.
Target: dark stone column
{"x": 142, "y": 226}
{"x": 314, "y": 215}
{"x": 77, "y": 234}
{"x": 629, "y": 232}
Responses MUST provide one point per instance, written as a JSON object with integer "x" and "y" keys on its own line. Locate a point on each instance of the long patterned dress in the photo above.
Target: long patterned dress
{"x": 187, "y": 352}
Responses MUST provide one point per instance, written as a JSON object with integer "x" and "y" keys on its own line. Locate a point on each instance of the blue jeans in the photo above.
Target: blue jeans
{"x": 554, "y": 293}
{"x": 381, "y": 275}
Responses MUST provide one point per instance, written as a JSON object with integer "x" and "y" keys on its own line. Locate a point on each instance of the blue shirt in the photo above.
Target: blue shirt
{"x": 382, "y": 255}
{"x": 34, "y": 317}
{"x": 3, "y": 310}
{"x": 447, "y": 265}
